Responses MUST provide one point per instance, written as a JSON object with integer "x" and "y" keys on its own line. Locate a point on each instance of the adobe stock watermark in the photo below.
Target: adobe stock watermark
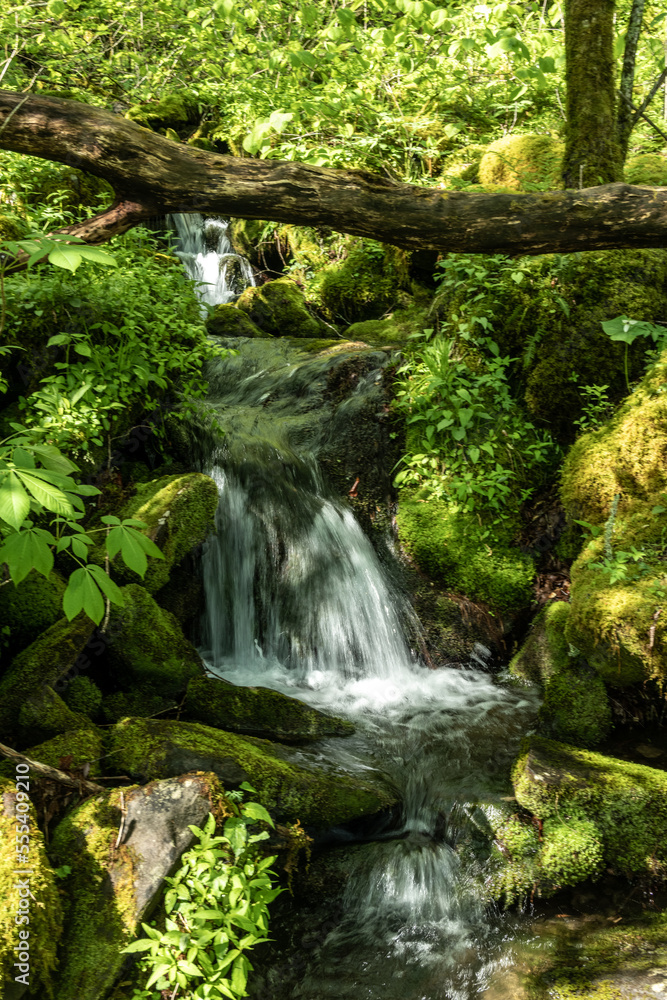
{"x": 22, "y": 874}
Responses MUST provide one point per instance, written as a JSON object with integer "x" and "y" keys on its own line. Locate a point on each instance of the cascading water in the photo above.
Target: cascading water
{"x": 298, "y": 600}
{"x": 210, "y": 259}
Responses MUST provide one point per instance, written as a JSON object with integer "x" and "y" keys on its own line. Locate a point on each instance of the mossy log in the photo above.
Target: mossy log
{"x": 153, "y": 176}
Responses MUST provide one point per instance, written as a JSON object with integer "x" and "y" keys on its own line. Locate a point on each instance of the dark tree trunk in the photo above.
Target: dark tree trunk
{"x": 592, "y": 153}
{"x": 152, "y": 175}
{"x": 625, "y": 114}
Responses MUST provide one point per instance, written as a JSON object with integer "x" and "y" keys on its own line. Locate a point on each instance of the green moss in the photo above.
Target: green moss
{"x": 576, "y": 707}
{"x": 30, "y": 608}
{"x": 140, "y": 702}
{"x": 46, "y": 660}
{"x": 149, "y": 748}
{"x": 462, "y": 167}
{"x": 147, "y": 646}
{"x": 618, "y": 625}
{"x": 83, "y": 695}
{"x": 259, "y": 712}
{"x": 44, "y": 714}
{"x": 647, "y": 168}
{"x": 522, "y": 162}
{"x": 391, "y": 330}
{"x": 179, "y": 512}
{"x": 448, "y": 545}
{"x": 545, "y": 650}
{"x": 99, "y": 911}
{"x": 45, "y": 911}
{"x": 174, "y": 111}
{"x": 279, "y": 308}
{"x": 364, "y": 284}
{"x": 12, "y": 227}
{"x": 625, "y": 803}
{"x": 229, "y": 321}
{"x": 69, "y": 751}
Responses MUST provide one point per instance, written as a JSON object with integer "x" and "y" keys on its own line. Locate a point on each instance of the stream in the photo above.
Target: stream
{"x": 297, "y": 599}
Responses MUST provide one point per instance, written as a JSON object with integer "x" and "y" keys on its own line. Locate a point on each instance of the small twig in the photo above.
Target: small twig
{"x": 50, "y": 772}
{"x": 647, "y": 100}
{"x": 121, "y": 828}
{"x": 646, "y": 118}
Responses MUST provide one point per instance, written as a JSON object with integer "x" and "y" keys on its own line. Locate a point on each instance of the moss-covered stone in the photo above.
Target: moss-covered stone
{"x": 448, "y": 545}
{"x": 140, "y": 702}
{"x": 392, "y": 330}
{"x": 83, "y": 695}
{"x": 12, "y": 227}
{"x": 279, "y": 308}
{"x": 149, "y": 748}
{"x": 647, "y": 168}
{"x": 619, "y": 626}
{"x": 229, "y": 321}
{"x": 114, "y": 880}
{"x": 70, "y": 751}
{"x": 174, "y": 112}
{"x": 38, "y": 667}
{"x": 545, "y": 650}
{"x": 621, "y": 806}
{"x": 522, "y": 162}
{"x": 22, "y": 846}
{"x": 147, "y": 646}
{"x": 258, "y": 711}
{"x": 368, "y": 280}
{"x": 30, "y": 608}
{"x": 178, "y": 511}
{"x": 576, "y": 707}
{"x": 44, "y": 715}
{"x": 462, "y": 167}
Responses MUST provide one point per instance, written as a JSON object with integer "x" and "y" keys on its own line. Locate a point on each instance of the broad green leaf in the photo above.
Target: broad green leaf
{"x": 45, "y": 493}
{"x": 14, "y": 501}
{"x": 107, "y": 586}
{"x": 26, "y": 550}
{"x": 142, "y": 945}
{"x": 83, "y": 594}
{"x": 53, "y": 459}
{"x": 97, "y": 256}
{"x": 66, "y": 258}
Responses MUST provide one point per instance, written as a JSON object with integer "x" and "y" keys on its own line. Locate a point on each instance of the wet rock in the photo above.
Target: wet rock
{"x": 26, "y": 690}
{"x": 42, "y": 907}
{"x": 147, "y": 647}
{"x": 148, "y": 749}
{"x": 119, "y": 858}
{"x": 618, "y": 809}
{"x": 179, "y": 512}
{"x": 279, "y": 308}
{"x": 229, "y": 321}
{"x": 29, "y": 609}
{"x": 259, "y": 711}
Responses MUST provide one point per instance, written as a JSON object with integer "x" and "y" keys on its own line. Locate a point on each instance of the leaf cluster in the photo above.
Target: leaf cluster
{"x": 216, "y": 911}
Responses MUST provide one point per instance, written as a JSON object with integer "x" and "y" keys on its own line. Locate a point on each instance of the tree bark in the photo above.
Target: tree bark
{"x": 625, "y": 115}
{"x": 592, "y": 153}
{"x": 152, "y": 175}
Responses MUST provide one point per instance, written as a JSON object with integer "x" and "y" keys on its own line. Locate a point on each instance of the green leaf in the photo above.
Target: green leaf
{"x": 142, "y": 945}
{"x": 107, "y": 586}
{"x": 14, "y": 501}
{"x": 255, "y": 811}
{"x": 53, "y": 459}
{"x": 45, "y": 493}
{"x": 66, "y": 258}
{"x": 83, "y": 594}
{"x": 27, "y": 550}
{"x": 97, "y": 256}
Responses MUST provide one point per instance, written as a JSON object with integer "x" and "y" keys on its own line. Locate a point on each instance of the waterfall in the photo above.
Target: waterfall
{"x": 298, "y": 600}
{"x": 209, "y": 258}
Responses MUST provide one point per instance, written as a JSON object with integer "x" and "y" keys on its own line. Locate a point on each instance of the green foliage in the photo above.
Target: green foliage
{"x": 216, "y": 911}
{"x": 628, "y": 330}
{"x": 472, "y": 443}
{"x": 597, "y": 407}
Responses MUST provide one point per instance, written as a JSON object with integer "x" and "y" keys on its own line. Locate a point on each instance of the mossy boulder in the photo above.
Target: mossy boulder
{"x": 259, "y": 711}
{"x": 147, "y": 647}
{"x": 228, "y": 320}
{"x": 452, "y": 548}
{"x": 522, "y": 162}
{"x": 141, "y": 702}
{"x": 70, "y": 751}
{"x": 576, "y": 707}
{"x": 369, "y": 279}
{"x": 30, "y": 608}
{"x": 83, "y": 695}
{"x": 38, "y": 899}
{"x": 647, "y": 168}
{"x": 44, "y": 715}
{"x": 179, "y": 512}
{"x": 618, "y": 625}
{"x": 279, "y": 308}
{"x": 462, "y": 167}
{"x": 12, "y": 227}
{"x": 392, "y": 330}
{"x": 622, "y": 806}
{"x": 115, "y": 882}
{"x": 148, "y": 748}
{"x": 178, "y": 112}
{"x": 544, "y": 651}
{"x": 36, "y": 669}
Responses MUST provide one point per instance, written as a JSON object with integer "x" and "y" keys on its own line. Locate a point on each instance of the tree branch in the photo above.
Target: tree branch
{"x": 153, "y": 176}
{"x": 44, "y": 771}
